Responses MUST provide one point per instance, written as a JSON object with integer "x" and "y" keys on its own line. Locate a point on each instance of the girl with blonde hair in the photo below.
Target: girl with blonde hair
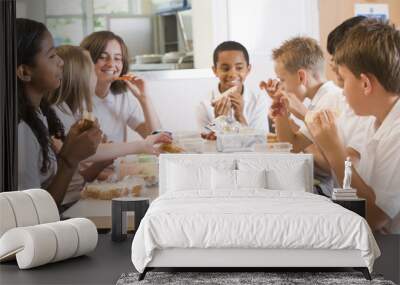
{"x": 72, "y": 99}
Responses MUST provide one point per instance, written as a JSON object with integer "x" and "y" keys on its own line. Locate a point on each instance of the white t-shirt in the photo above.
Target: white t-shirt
{"x": 30, "y": 159}
{"x": 329, "y": 96}
{"x": 254, "y": 110}
{"x": 380, "y": 163}
{"x": 351, "y": 127}
{"x": 116, "y": 112}
{"x": 65, "y": 115}
{"x": 67, "y": 118}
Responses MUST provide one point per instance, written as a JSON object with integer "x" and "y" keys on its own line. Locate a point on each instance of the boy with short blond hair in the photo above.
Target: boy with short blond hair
{"x": 300, "y": 53}
{"x": 299, "y": 65}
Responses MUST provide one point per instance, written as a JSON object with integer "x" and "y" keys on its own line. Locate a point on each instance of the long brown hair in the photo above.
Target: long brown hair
{"x": 75, "y": 86}
{"x": 30, "y": 34}
{"x": 96, "y": 44}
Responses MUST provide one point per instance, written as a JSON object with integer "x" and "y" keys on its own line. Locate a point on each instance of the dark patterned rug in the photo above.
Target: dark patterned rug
{"x": 273, "y": 278}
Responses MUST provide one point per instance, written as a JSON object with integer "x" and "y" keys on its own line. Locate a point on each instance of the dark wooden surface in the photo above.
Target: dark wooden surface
{"x": 357, "y": 206}
{"x": 102, "y": 266}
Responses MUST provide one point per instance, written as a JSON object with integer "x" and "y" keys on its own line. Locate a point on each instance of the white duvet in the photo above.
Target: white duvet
{"x": 250, "y": 219}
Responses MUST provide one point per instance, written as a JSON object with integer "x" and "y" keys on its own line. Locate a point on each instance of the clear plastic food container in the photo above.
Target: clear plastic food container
{"x": 239, "y": 142}
{"x": 279, "y": 147}
{"x": 192, "y": 145}
{"x": 144, "y": 166}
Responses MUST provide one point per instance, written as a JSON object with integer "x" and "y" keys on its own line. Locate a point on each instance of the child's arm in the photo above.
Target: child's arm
{"x": 284, "y": 130}
{"x": 107, "y": 151}
{"x": 151, "y": 121}
{"x": 323, "y": 130}
{"x": 237, "y": 102}
{"x": 77, "y": 146}
{"x": 92, "y": 172}
{"x": 296, "y": 107}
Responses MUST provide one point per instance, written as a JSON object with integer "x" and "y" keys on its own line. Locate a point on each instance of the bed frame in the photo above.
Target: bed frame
{"x": 246, "y": 259}
{"x": 249, "y": 259}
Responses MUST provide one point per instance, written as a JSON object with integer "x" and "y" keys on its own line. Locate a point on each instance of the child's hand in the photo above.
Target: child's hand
{"x": 237, "y": 106}
{"x": 80, "y": 145}
{"x": 296, "y": 106}
{"x": 222, "y": 107}
{"x": 152, "y": 140}
{"x": 271, "y": 86}
{"x": 56, "y": 144}
{"x": 279, "y": 106}
{"x": 322, "y": 127}
{"x": 135, "y": 84}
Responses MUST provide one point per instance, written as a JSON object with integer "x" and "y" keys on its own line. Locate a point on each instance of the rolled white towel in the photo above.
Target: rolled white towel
{"x": 67, "y": 240}
{"x": 87, "y": 234}
{"x": 40, "y": 244}
{"x": 45, "y": 205}
{"x": 7, "y": 217}
{"x": 33, "y": 246}
{"x": 23, "y": 208}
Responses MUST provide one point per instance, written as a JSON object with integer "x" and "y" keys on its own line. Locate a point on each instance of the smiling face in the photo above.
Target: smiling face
{"x": 48, "y": 66}
{"x": 231, "y": 69}
{"x": 290, "y": 81}
{"x": 110, "y": 63}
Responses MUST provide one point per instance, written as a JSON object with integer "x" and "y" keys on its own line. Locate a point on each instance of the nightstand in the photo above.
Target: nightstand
{"x": 357, "y": 205}
{"x": 120, "y": 207}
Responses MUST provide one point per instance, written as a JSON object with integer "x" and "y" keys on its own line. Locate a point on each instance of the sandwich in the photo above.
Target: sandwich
{"x": 227, "y": 93}
{"x": 87, "y": 121}
{"x": 171, "y": 148}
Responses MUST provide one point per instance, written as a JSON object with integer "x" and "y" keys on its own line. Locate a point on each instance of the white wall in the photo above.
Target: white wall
{"x": 31, "y": 9}
{"x": 210, "y": 21}
{"x": 175, "y": 95}
{"x": 260, "y": 25}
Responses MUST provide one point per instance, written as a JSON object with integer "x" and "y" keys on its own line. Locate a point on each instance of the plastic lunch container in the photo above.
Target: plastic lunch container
{"x": 279, "y": 147}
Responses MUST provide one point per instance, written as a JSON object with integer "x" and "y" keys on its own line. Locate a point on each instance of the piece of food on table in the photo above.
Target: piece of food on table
{"x": 171, "y": 148}
{"x": 209, "y": 136}
{"x": 110, "y": 190}
{"x": 272, "y": 138}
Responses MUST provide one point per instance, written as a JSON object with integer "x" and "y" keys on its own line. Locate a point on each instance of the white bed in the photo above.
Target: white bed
{"x": 200, "y": 220}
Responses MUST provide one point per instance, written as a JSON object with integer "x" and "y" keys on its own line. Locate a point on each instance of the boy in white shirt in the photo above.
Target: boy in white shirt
{"x": 299, "y": 65}
{"x": 231, "y": 66}
{"x": 368, "y": 61}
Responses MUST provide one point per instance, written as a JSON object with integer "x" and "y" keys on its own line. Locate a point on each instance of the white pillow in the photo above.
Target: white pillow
{"x": 251, "y": 179}
{"x": 223, "y": 179}
{"x": 182, "y": 177}
{"x": 281, "y": 174}
{"x": 293, "y": 180}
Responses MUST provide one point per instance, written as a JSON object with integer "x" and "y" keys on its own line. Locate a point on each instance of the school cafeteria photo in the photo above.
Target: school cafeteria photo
{"x": 217, "y": 142}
